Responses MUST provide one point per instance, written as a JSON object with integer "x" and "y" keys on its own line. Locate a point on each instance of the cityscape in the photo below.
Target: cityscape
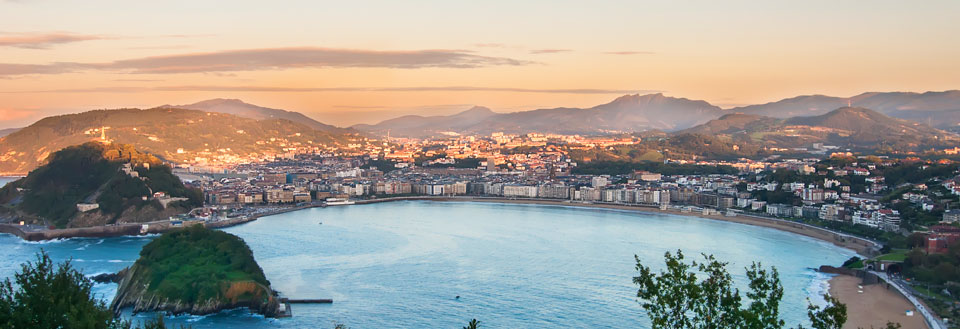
{"x": 479, "y": 165}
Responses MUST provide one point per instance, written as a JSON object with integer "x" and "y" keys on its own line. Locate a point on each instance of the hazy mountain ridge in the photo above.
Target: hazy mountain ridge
{"x": 4, "y": 132}
{"x": 159, "y": 131}
{"x": 240, "y": 108}
{"x": 846, "y": 126}
{"x": 635, "y": 113}
{"x": 939, "y": 108}
{"x": 628, "y": 113}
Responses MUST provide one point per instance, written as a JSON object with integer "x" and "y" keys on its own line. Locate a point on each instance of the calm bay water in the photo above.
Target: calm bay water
{"x": 4, "y": 180}
{"x": 400, "y": 265}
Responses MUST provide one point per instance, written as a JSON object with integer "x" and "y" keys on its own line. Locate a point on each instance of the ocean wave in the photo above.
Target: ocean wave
{"x": 43, "y": 241}
{"x": 819, "y": 286}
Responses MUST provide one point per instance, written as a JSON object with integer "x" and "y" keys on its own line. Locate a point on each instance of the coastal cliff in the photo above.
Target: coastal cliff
{"x": 196, "y": 271}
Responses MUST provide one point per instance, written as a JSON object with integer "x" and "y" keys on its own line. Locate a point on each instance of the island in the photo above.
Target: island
{"x": 196, "y": 270}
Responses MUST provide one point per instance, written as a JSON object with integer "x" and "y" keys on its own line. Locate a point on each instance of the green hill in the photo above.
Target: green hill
{"x": 176, "y": 135}
{"x": 198, "y": 271}
{"x": 93, "y": 173}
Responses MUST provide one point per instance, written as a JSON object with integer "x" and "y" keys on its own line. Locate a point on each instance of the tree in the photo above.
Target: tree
{"x": 474, "y": 324}
{"x": 49, "y": 295}
{"x": 677, "y": 298}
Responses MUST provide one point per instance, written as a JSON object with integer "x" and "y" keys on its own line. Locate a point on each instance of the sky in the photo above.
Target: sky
{"x": 348, "y": 62}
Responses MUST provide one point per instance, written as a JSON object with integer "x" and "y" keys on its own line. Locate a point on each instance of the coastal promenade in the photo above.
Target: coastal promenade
{"x": 35, "y": 233}
{"x": 932, "y": 321}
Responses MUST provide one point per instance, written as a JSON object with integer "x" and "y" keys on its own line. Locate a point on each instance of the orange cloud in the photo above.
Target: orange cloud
{"x": 124, "y": 89}
{"x": 275, "y": 59}
{"x": 549, "y": 51}
{"x": 629, "y": 53}
{"x": 42, "y": 40}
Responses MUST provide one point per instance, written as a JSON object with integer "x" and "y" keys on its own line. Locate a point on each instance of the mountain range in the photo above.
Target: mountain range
{"x": 634, "y": 113}
{"x": 230, "y": 127}
{"x": 629, "y": 113}
{"x": 170, "y": 133}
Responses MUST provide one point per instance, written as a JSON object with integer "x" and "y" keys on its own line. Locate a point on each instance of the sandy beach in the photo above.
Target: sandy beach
{"x": 875, "y": 306}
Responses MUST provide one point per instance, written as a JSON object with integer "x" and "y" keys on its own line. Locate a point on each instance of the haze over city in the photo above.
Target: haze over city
{"x": 366, "y": 61}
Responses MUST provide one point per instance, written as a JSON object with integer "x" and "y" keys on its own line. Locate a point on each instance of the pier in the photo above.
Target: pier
{"x": 285, "y": 310}
{"x": 308, "y": 301}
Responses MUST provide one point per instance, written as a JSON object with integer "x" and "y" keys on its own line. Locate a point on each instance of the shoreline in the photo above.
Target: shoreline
{"x": 862, "y": 246}
{"x": 126, "y": 229}
{"x": 874, "y": 304}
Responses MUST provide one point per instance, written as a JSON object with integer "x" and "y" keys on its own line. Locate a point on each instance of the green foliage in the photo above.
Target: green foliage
{"x": 195, "y": 264}
{"x": 779, "y": 196}
{"x": 78, "y": 173}
{"x": 853, "y": 262}
{"x": 832, "y": 316}
{"x": 623, "y": 168}
{"x": 914, "y": 173}
{"x": 677, "y": 298}
{"x": 474, "y": 324}
{"x": 382, "y": 165}
{"x": 49, "y": 295}
{"x": 53, "y": 190}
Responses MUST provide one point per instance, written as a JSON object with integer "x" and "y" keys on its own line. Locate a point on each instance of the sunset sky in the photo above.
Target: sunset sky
{"x": 346, "y": 62}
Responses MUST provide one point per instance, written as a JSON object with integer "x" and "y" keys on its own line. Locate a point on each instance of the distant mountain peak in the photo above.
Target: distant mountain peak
{"x": 215, "y": 101}
{"x": 240, "y": 108}
{"x": 637, "y": 98}
{"x": 477, "y": 110}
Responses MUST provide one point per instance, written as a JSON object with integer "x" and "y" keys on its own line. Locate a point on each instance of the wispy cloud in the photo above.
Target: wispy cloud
{"x": 275, "y": 59}
{"x": 43, "y": 40}
{"x": 629, "y": 53}
{"x": 549, "y": 51}
{"x": 490, "y": 45}
{"x": 358, "y": 107}
{"x": 159, "y": 47}
{"x": 214, "y": 88}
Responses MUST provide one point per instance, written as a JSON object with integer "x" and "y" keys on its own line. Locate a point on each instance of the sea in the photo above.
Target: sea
{"x": 427, "y": 264}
